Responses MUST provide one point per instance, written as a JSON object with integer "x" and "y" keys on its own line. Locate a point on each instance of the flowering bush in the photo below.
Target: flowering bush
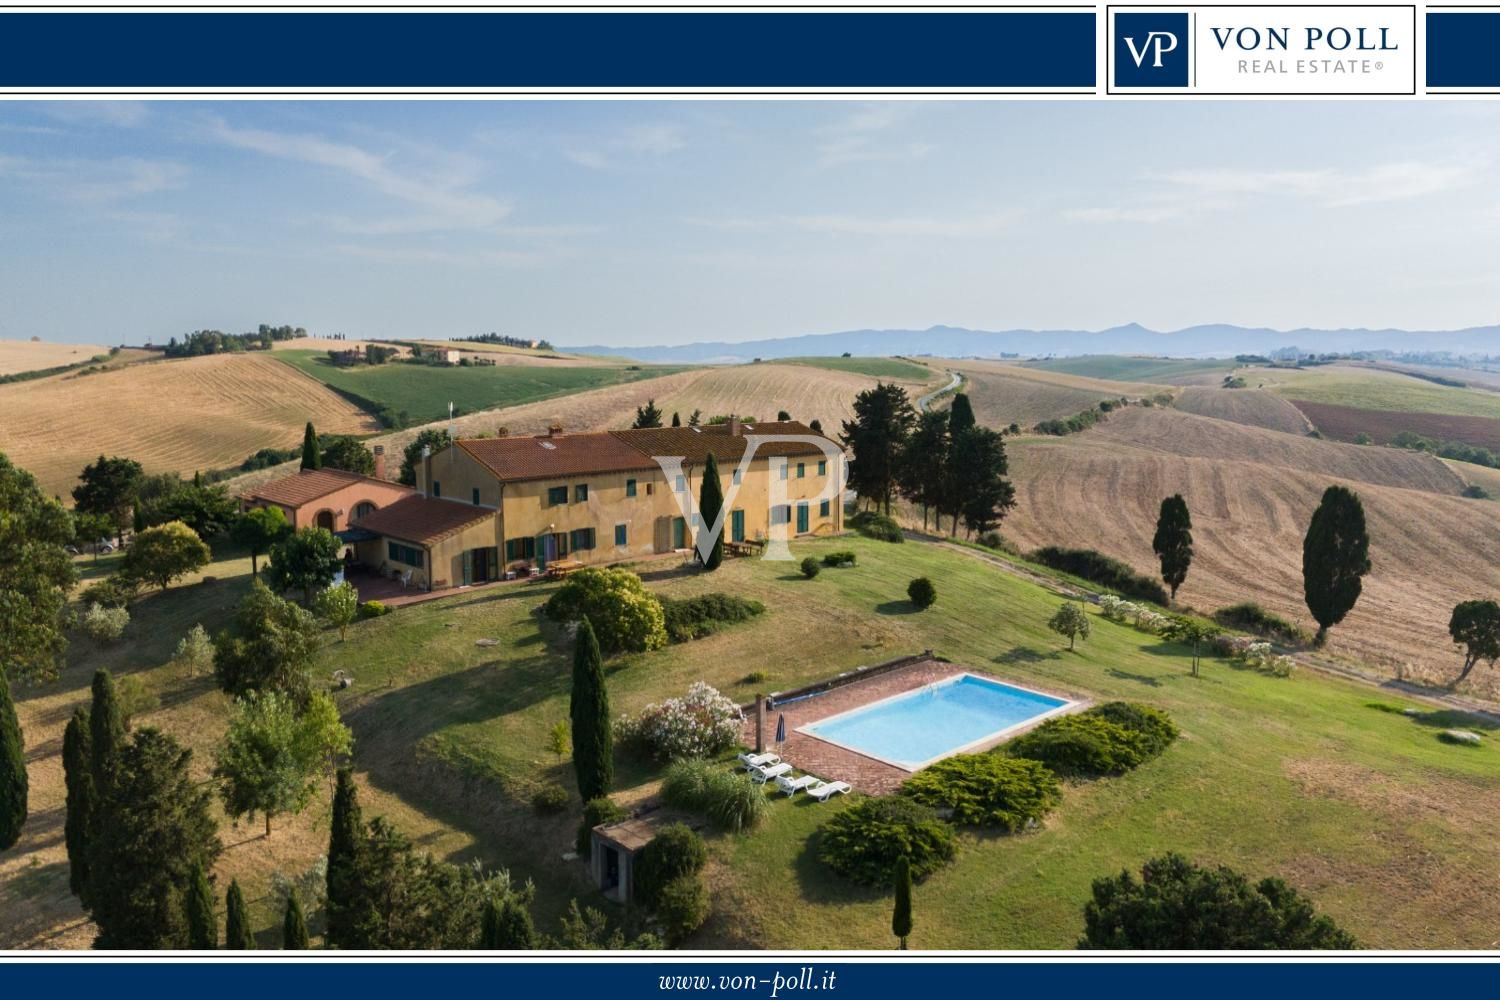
{"x": 1259, "y": 655}
{"x": 700, "y": 724}
{"x": 104, "y": 625}
{"x": 1281, "y": 666}
{"x": 1150, "y": 621}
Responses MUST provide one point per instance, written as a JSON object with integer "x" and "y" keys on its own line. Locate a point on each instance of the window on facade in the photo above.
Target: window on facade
{"x": 781, "y": 513}
{"x": 783, "y": 470}
{"x": 621, "y": 534}
{"x": 581, "y": 538}
{"x": 476, "y": 496}
{"x": 404, "y": 554}
{"x": 437, "y": 488}
{"x": 681, "y": 484}
{"x": 630, "y": 487}
{"x": 520, "y": 548}
{"x": 581, "y": 493}
{"x": 738, "y": 478}
{"x": 823, "y": 509}
{"x": 363, "y": 508}
{"x": 650, "y": 488}
{"x": 823, "y": 468}
{"x": 557, "y": 495}
{"x": 801, "y": 470}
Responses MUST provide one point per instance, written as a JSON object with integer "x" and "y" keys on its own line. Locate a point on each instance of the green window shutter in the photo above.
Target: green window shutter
{"x": 823, "y": 468}
{"x": 630, "y": 487}
{"x": 621, "y": 532}
{"x": 581, "y": 493}
{"x": 801, "y": 470}
{"x": 823, "y": 509}
{"x": 557, "y": 495}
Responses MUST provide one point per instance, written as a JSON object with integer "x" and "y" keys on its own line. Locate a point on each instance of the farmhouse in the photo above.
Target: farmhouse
{"x": 327, "y": 498}
{"x": 487, "y": 506}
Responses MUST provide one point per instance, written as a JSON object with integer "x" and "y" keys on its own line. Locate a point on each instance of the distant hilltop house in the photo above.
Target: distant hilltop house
{"x": 488, "y": 505}
{"x": 328, "y": 498}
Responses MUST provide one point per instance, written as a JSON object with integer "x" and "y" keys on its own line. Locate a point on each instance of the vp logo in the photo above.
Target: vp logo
{"x": 1150, "y": 50}
{"x": 1157, "y": 44}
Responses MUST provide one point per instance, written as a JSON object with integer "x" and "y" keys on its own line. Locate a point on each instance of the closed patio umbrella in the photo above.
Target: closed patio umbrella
{"x": 780, "y": 727}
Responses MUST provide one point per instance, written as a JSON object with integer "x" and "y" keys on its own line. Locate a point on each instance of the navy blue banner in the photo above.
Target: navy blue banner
{"x": 888, "y": 51}
{"x": 750, "y": 977}
{"x": 1462, "y": 49}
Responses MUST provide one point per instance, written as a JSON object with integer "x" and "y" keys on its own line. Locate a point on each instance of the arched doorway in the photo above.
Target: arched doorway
{"x": 325, "y": 519}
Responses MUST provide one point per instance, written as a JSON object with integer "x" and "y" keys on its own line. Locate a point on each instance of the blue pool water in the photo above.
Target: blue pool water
{"x": 912, "y": 729}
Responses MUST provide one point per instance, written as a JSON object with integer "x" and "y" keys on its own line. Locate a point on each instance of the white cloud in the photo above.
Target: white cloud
{"x": 632, "y": 142}
{"x": 443, "y": 198}
{"x": 120, "y": 114}
{"x": 862, "y": 136}
{"x": 94, "y": 181}
{"x": 913, "y": 226}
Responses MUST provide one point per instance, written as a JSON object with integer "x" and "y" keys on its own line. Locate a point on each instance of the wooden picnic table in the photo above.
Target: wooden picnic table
{"x": 742, "y": 548}
{"x": 559, "y": 568}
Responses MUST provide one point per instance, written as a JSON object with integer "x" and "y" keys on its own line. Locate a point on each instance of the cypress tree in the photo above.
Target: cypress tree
{"x": 106, "y": 729}
{"x": 710, "y": 506}
{"x": 198, "y": 906}
{"x": 153, "y": 825}
{"x": 593, "y": 747}
{"x": 515, "y": 932}
{"x": 346, "y": 839}
{"x": 311, "y": 457}
{"x": 13, "y": 785}
{"x": 294, "y": 927}
{"x": 1173, "y": 543}
{"x": 237, "y": 936}
{"x": 1335, "y": 556}
{"x": 676, "y": 419}
{"x": 78, "y": 778}
{"x": 901, "y": 916}
{"x": 960, "y": 414}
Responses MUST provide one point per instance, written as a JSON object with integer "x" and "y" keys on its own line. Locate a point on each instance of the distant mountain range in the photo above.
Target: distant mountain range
{"x": 1214, "y": 340}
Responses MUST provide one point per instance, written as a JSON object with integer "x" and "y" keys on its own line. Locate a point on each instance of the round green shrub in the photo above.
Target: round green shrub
{"x": 922, "y": 592}
{"x": 675, "y": 851}
{"x": 836, "y": 560}
{"x": 595, "y": 811}
{"x": 626, "y": 616}
{"x": 864, "y": 841}
{"x": 810, "y": 567}
{"x": 876, "y": 526}
{"x": 549, "y": 799}
{"x": 1110, "y": 739}
{"x": 372, "y": 609}
{"x": 682, "y": 906}
{"x": 987, "y": 789}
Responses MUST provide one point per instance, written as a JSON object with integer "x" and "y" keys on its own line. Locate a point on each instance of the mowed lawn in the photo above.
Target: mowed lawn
{"x": 1365, "y": 810}
{"x": 424, "y": 391}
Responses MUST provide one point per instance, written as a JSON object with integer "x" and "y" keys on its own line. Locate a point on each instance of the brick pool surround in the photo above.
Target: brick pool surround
{"x": 858, "y": 689}
{"x": 983, "y": 743}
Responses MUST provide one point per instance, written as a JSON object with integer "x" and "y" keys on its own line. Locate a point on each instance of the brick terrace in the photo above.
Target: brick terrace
{"x": 832, "y": 763}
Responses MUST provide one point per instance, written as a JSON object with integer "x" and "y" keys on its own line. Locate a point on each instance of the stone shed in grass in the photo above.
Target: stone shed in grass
{"x": 615, "y": 845}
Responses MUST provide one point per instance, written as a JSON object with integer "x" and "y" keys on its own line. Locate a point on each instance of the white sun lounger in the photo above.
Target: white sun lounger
{"x": 761, "y": 775}
{"x": 825, "y": 790}
{"x": 753, "y": 760}
{"x": 794, "y": 785}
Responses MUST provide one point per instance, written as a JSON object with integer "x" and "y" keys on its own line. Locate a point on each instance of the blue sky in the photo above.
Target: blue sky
{"x": 636, "y": 222}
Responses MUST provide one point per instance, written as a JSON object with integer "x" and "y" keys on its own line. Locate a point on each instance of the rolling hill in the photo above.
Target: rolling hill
{"x": 1254, "y": 407}
{"x": 171, "y": 416}
{"x": 1003, "y": 393}
{"x": 34, "y": 355}
{"x": 1251, "y": 492}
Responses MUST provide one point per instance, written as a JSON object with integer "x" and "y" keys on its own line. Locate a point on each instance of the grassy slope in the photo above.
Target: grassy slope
{"x": 1117, "y": 367}
{"x": 886, "y": 368}
{"x": 1297, "y": 777}
{"x": 1373, "y": 389}
{"x": 424, "y": 392}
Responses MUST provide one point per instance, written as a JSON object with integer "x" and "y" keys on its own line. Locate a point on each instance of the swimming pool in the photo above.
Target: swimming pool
{"x": 913, "y": 729}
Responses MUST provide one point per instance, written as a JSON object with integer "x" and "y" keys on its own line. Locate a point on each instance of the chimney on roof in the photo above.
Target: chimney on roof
{"x": 554, "y": 430}
{"x": 380, "y": 461}
{"x": 426, "y": 483}
{"x": 734, "y": 426}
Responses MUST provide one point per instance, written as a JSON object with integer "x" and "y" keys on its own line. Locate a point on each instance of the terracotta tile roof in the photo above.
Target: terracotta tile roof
{"x": 308, "y": 485}
{"x": 422, "y": 519}
{"x": 519, "y": 458}
{"x": 694, "y": 444}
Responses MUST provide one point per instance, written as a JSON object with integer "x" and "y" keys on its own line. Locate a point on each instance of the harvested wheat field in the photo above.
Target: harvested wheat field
{"x": 1251, "y": 503}
{"x": 806, "y": 392}
{"x": 1003, "y": 394}
{"x": 171, "y": 416}
{"x": 1477, "y": 475}
{"x": 34, "y": 355}
{"x": 1255, "y": 407}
